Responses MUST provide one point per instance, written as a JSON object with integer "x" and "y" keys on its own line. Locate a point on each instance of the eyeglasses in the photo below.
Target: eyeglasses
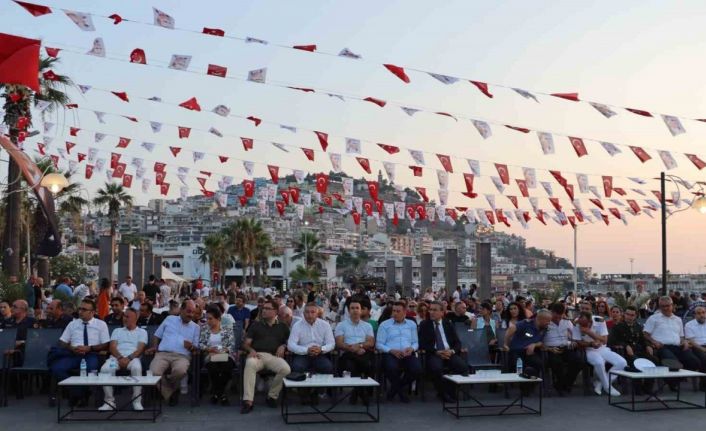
{"x": 85, "y": 309}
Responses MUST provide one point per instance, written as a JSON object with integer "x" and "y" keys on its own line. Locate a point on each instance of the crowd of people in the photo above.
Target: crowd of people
{"x": 352, "y": 331}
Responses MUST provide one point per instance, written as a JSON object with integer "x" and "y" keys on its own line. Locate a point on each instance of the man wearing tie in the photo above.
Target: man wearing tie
{"x": 84, "y": 338}
{"x": 438, "y": 338}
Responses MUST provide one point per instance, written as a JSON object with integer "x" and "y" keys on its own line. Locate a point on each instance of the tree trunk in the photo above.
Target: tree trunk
{"x": 13, "y": 215}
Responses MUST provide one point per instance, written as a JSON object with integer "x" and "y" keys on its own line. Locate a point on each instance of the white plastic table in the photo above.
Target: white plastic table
{"x": 653, "y": 398}
{"x": 477, "y": 408}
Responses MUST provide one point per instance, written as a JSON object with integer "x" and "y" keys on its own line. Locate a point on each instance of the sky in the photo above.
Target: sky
{"x": 641, "y": 54}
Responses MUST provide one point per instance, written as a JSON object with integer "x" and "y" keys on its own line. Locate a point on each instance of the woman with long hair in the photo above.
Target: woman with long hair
{"x": 422, "y": 311}
{"x": 218, "y": 343}
{"x": 514, "y": 313}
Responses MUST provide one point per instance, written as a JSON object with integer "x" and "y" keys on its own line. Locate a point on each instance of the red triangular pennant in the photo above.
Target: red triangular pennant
{"x": 247, "y": 143}
{"x": 483, "y": 87}
{"x": 398, "y": 72}
{"x": 191, "y": 104}
{"x": 323, "y": 139}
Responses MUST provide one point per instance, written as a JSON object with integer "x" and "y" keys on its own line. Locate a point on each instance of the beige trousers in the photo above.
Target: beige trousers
{"x": 179, "y": 365}
{"x": 265, "y": 361}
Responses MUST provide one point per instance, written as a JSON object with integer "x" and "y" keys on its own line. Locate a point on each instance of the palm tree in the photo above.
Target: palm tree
{"x": 113, "y": 196}
{"x": 351, "y": 264}
{"x": 217, "y": 250}
{"x": 262, "y": 254}
{"x": 304, "y": 274}
{"x": 18, "y": 101}
{"x": 246, "y": 238}
{"x": 308, "y": 248}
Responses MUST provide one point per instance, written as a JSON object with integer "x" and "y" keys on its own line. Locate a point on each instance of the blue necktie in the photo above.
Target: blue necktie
{"x": 439, "y": 340}
{"x": 85, "y": 333}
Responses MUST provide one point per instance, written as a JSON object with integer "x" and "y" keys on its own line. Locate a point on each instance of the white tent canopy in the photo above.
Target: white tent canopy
{"x": 169, "y": 275}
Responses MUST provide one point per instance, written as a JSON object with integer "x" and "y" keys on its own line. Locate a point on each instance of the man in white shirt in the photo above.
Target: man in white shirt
{"x": 126, "y": 347}
{"x": 562, "y": 356}
{"x": 81, "y": 291}
{"x": 591, "y": 333}
{"x": 128, "y": 289}
{"x": 310, "y": 341}
{"x": 695, "y": 333}
{"x": 665, "y": 332}
{"x": 84, "y": 338}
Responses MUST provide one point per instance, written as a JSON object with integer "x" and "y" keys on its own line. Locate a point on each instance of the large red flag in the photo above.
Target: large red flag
{"x": 19, "y": 61}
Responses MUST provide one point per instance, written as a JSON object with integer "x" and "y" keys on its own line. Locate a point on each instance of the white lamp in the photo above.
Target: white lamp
{"x": 699, "y": 204}
{"x": 54, "y": 182}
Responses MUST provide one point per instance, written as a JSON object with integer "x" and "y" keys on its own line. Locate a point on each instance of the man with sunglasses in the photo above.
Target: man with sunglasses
{"x": 84, "y": 338}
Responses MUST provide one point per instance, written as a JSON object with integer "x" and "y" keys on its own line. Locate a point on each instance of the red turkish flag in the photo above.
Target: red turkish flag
{"x": 338, "y": 197}
{"x": 202, "y": 182}
{"x": 214, "y": 31}
{"x": 208, "y": 193}
{"x": 368, "y": 208}
{"x": 223, "y": 159}
{"x": 69, "y": 146}
{"x": 504, "y": 174}
{"x": 364, "y": 163}
{"x": 513, "y": 199}
{"x": 127, "y": 180}
{"x": 309, "y": 153}
{"x": 321, "y": 183}
{"x": 579, "y": 146}
{"x": 615, "y": 212}
{"x": 700, "y": 164}
{"x": 356, "y": 217}
{"x": 247, "y": 143}
{"x": 323, "y": 139}
{"x": 175, "y": 150}
{"x": 123, "y": 142}
{"x": 119, "y": 170}
{"x": 578, "y": 215}
{"x": 559, "y": 178}
{"x": 321, "y": 209}
{"x": 572, "y": 221}
{"x": 391, "y": 149}
{"x": 607, "y": 185}
{"x": 555, "y": 203}
{"x": 446, "y": 114}
{"x": 641, "y": 154}
{"x": 73, "y": 131}
{"x": 373, "y": 189}
{"x": 421, "y": 211}
{"x": 216, "y": 70}
{"x": 395, "y": 219}
{"x": 569, "y": 189}
{"x": 310, "y": 48}
{"x": 519, "y": 129}
{"x": 49, "y": 75}
{"x": 249, "y": 188}
{"x": 468, "y": 179}
{"x": 35, "y": 9}
{"x": 639, "y": 112}
{"x": 522, "y": 185}
{"x": 540, "y": 217}
{"x": 280, "y": 207}
{"x": 81, "y": 157}
{"x": 19, "y": 59}
{"x": 597, "y": 203}
{"x": 574, "y": 97}
{"x": 379, "y": 206}
{"x": 423, "y": 193}
{"x": 114, "y": 159}
{"x": 121, "y": 95}
{"x": 398, "y": 72}
{"x": 52, "y": 52}
{"x": 159, "y": 166}
{"x": 619, "y": 190}
{"x": 446, "y": 163}
{"x": 159, "y": 178}
{"x": 184, "y": 132}
{"x": 411, "y": 212}
{"x": 328, "y": 200}
{"x": 635, "y": 207}
{"x": 285, "y": 196}
{"x": 138, "y": 56}
{"x": 491, "y": 216}
{"x": 255, "y": 120}
{"x": 452, "y": 213}
{"x": 89, "y": 171}
{"x": 501, "y": 217}
{"x": 381, "y": 103}
{"x": 416, "y": 171}
{"x": 657, "y": 194}
{"x": 207, "y": 173}
{"x": 483, "y": 87}
{"x": 243, "y": 200}
{"x": 117, "y": 19}
{"x": 274, "y": 173}
{"x": 294, "y": 194}
{"x": 191, "y": 104}
{"x": 164, "y": 189}
{"x": 462, "y": 209}
{"x": 526, "y": 216}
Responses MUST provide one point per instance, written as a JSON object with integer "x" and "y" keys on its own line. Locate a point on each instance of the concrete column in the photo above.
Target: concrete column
{"x": 157, "y": 268}
{"x": 451, "y": 270}
{"x": 106, "y": 257}
{"x": 149, "y": 264}
{"x": 390, "y": 277}
{"x": 124, "y": 261}
{"x": 426, "y": 270}
{"x": 138, "y": 268}
{"x": 407, "y": 285}
{"x": 484, "y": 269}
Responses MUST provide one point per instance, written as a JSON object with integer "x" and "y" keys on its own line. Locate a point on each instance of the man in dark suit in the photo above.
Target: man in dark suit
{"x": 437, "y": 337}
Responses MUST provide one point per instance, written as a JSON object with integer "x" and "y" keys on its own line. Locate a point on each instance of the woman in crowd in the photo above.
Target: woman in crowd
{"x": 513, "y": 314}
{"x": 616, "y": 315}
{"x": 485, "y": 322}
{"x": 422, "y": 311}
{"x": 219, "y": 344}
{"x": 602, "y": 310}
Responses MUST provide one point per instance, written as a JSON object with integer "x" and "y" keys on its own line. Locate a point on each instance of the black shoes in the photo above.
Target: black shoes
{"x": 174, "y": 399}
{"x": 245, "y": 408}
{"x": 271, "y": 403}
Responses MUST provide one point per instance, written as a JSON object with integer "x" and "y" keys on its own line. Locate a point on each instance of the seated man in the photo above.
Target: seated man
{"x": 126, "y": 346}
{"x": 459, "y": 314}
{"x": 438, "y": 339}
{"x": 55, "y": 316}
{"x": 356, "y": 341}
{"x": 84, "y": 337}
{"x": 591, "y": 333}
{"x": 117, "y": 306}
{"x": 21, "y": 321}
{"x": 526, "y": 340}
{"x": 173, "y": 342}
{"x": 146, "y": 316}
{"x": 627, "y": 338}
{"x": 695, "y": 333}
{"x": 563, "y": 358}
{"x": 664, "y": 330}
{"x": 398, "y": 340}
{"x": 286, "y": 316}
{"x": 265, "y": 344}
{"x": 239, "y": 311}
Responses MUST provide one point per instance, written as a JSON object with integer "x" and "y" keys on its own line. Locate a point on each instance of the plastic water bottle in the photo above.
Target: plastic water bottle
{"x": 84, "y": 368}
{"x": 519, "y": 366}
{"x": 113, "y": 366}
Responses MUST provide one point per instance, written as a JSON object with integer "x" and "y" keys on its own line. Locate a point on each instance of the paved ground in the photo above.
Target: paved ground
{"x": 576, "y": 411}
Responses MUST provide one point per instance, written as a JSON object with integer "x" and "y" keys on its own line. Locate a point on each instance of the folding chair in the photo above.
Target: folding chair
{"x": 7, "y": 347}
{"x": 37, "y": 346}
